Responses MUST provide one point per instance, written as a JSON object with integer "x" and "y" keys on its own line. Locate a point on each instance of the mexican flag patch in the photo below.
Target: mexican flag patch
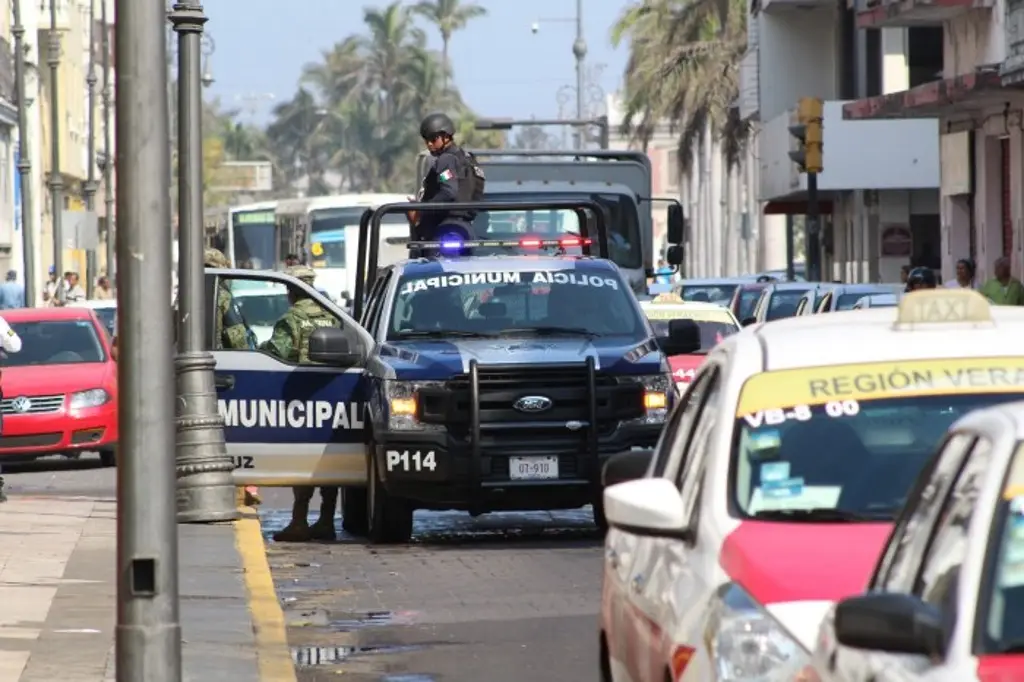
{"x": 446, "y": 175}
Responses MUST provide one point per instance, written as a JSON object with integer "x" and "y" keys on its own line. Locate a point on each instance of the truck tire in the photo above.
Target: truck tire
{"x": 354, "y": 520}
{"x": 389, "y": 520}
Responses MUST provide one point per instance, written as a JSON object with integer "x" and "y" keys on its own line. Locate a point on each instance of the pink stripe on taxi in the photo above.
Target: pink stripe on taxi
{"x": 783, "y": 562}
{"x": 1001, "y": 668}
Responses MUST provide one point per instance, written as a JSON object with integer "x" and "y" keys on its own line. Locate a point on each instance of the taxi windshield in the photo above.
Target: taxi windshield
{"x": 847, "y": 442}
{"x": 491, "y": 303}
{"x": 712, "y": 331}
{"x": 1001, "y": 602}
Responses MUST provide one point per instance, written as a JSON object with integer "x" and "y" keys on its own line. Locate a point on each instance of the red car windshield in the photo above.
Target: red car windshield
{"x": 56, "y": 342}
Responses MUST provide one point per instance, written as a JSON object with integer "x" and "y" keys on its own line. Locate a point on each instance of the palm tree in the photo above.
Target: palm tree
{"x": 448, "y": 16}
{"x": 684, "y": 68}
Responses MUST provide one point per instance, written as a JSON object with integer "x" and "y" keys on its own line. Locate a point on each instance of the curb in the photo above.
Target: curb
{"x": 272, "y": 653}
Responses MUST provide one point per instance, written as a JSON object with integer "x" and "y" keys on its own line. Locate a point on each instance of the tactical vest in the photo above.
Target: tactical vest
{"x": 471, "y": 179}
{"x": 307, "y": 317}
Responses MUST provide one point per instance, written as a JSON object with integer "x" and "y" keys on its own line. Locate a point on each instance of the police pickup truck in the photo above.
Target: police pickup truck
{"x": 473, "y": 383}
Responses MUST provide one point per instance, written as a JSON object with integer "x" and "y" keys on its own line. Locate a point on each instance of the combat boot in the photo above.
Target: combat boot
{"x": 323, "y": 529}
{"x": 298, "y": 529}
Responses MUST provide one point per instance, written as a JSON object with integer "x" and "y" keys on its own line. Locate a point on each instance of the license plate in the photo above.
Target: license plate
{"x": 532, "y": 468}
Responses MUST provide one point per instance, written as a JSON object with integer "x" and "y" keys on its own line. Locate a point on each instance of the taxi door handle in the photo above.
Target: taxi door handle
{"x": 224, "y": 382}
{"x": 637, "y": 583}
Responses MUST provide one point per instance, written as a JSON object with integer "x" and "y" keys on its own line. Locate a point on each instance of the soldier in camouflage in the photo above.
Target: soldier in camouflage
{"x": 232, "y": 332}
{"x": 290, "y": 342}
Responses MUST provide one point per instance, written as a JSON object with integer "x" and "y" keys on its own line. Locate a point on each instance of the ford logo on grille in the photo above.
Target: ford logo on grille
{"x": 532, "y": 404}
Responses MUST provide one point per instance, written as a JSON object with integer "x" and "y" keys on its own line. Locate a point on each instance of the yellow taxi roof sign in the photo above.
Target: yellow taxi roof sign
{"x": 668, "y": 297}
{"x": 943, "y": 306}
{"x": 317, "y": 249}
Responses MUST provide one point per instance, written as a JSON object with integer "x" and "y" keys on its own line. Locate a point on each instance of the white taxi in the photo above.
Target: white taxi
{"x": 715, "y": 324}
{"x": 946, "y": 601}
{"x": 777, "y": 477}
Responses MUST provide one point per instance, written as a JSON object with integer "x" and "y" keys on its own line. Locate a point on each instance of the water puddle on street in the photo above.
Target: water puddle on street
{"x": 310, "y": 656}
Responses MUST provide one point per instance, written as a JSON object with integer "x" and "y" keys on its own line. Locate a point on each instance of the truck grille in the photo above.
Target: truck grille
{"x": 37, "y": 404}
{"x": 563, "y": 430}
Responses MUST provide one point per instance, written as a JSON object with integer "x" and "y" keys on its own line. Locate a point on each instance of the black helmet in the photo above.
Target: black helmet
{"x": 921, "y": 278}
{"x": 437, "y": 124}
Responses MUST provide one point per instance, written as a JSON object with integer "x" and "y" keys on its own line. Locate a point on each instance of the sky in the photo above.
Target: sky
{"x": 501, "y": 67}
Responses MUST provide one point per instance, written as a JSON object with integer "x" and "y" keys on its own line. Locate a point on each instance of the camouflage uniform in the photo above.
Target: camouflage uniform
{"x": 231, "y": 331}
{"x": 290, "y": 342}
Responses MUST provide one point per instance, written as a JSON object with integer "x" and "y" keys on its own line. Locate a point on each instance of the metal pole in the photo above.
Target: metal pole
{"x": 206, "y": 490}
{"x": 24, "y": 161}
{"x": 56, "y": 181}
{"x": 89, "y": 190}
{"x": 812, "y": 239}
{"x": 148, "y": 628}
{"x": 790, "y": 250}
{"x": 579, "y": 51}
{"x": 108, "y": 159}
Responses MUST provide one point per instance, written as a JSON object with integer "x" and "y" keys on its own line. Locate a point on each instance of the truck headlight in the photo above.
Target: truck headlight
{"x": 94, "y": 397}
{"x": 746, "y": 644}
{"x": 403, "y": 405}
{"x": 659, "y": 391}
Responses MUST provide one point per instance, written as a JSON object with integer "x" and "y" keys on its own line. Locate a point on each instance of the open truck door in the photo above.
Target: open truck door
{"x": 288, "y": 423}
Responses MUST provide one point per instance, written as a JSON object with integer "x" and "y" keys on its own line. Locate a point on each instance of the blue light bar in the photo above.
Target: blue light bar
{"x": 451, "y": 244}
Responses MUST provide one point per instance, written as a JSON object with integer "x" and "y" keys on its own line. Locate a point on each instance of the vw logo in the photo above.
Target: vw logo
{"x": 532, "y": 404}
{"x": 21, "y": 404}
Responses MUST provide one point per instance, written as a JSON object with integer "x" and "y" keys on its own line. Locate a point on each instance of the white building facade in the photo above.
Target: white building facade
{"x": 978, "y": 100}
{"x": 880, "y": 185}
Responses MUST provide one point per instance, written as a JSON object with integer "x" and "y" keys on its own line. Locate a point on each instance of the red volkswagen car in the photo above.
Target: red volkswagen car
{"x": 60, "y": 390}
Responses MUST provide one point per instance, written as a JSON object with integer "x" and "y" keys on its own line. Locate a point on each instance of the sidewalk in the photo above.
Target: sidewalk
{"x": 59, "y": 606}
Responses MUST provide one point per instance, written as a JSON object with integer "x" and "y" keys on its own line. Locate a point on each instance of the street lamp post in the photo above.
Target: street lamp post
{"x": 107, "y": 163}
{"x": 89, "y": 190}
{"x": 24, "y": 160}
{"x": 579, "y": 53}
{"x": 148, "y": 627}
{"x": 206, "y": 491}
{"x": 56, "y": 181}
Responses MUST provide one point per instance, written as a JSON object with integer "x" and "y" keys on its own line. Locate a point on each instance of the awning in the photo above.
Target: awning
{"x": 970, "y": 92}
{"x": 799, "y": 207}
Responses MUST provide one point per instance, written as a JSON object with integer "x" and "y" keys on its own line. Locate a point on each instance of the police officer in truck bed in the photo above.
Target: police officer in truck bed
{"x": 455, "y": 177}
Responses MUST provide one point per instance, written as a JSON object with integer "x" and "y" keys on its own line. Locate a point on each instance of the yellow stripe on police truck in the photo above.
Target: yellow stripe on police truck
{"x": 877, "y": 380}
{"x": 291, "y": 414}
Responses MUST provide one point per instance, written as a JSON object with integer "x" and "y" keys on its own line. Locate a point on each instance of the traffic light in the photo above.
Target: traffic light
{"x": 808, "y": 132}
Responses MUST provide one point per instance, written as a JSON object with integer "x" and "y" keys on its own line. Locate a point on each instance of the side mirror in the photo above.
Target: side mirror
{"x": 652, "y": 507}
{"x": 747, "y": 321}
{"x": 676, "y": 227}
{"x": 626, "y": 466}
{"x": 674, "y": 255}
{"x": 683, "y": 338}
{"x": 891, "y": 622}
{"x": 330, "y": 346}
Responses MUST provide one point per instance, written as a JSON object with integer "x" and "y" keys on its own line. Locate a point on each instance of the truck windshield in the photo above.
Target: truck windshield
{"x": 624, "y": 241}
{"x": 255, "y": 239}
{"x": 505, "y": 302}
{"x": 828, "y": 442}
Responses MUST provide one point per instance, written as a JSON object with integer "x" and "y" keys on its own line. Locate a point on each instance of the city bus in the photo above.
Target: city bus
{"x": 252, "y": 239}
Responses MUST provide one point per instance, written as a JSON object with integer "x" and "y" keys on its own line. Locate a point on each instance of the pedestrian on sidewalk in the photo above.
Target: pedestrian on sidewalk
{"x": 103, "y": 291}
{"x": 1004, "y": 288}
{"x": 12, "y": 294}
{"x": 75, "y": 291}
{"x": 50, "y": 288}
{"x": 11, "y": 343}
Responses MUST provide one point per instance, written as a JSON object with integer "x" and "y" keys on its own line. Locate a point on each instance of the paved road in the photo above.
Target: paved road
{"x": 84, "y": 477}
{"x": 504, "y": 597}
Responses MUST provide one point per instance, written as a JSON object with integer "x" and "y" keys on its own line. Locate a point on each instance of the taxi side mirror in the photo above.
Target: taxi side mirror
{"x": 683, "y": 338}
{"x": 891, "y": 622}
{"x": 626, "y": 466}
{"x": 330, "y": 346}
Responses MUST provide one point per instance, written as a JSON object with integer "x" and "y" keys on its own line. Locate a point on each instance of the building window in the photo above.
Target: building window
{"x": 873, "y": 57}
{"x": 924, "y": 54}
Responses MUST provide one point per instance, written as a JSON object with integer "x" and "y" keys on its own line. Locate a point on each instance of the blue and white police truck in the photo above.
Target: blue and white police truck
{"x": 476, "y": 383}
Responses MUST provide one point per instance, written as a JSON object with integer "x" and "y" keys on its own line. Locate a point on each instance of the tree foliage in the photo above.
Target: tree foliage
{"x": 354, "y": 118}
{"x": 683, "y": 67}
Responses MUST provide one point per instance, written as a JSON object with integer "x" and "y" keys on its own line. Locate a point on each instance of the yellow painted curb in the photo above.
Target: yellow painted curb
{"x": 273, "y": 655}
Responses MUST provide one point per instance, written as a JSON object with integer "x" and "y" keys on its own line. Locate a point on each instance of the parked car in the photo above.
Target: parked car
{"x": 877, "y": 301}
{"x": 744, "y": 299}
{"x": 719, "y": 291}
{"x": 845, "y": 296}
{"x": 812, "y": 298}
{"x": 60, "y": 390}
{"x": 105, "y": 309}
{"x": 778, "y": 301}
